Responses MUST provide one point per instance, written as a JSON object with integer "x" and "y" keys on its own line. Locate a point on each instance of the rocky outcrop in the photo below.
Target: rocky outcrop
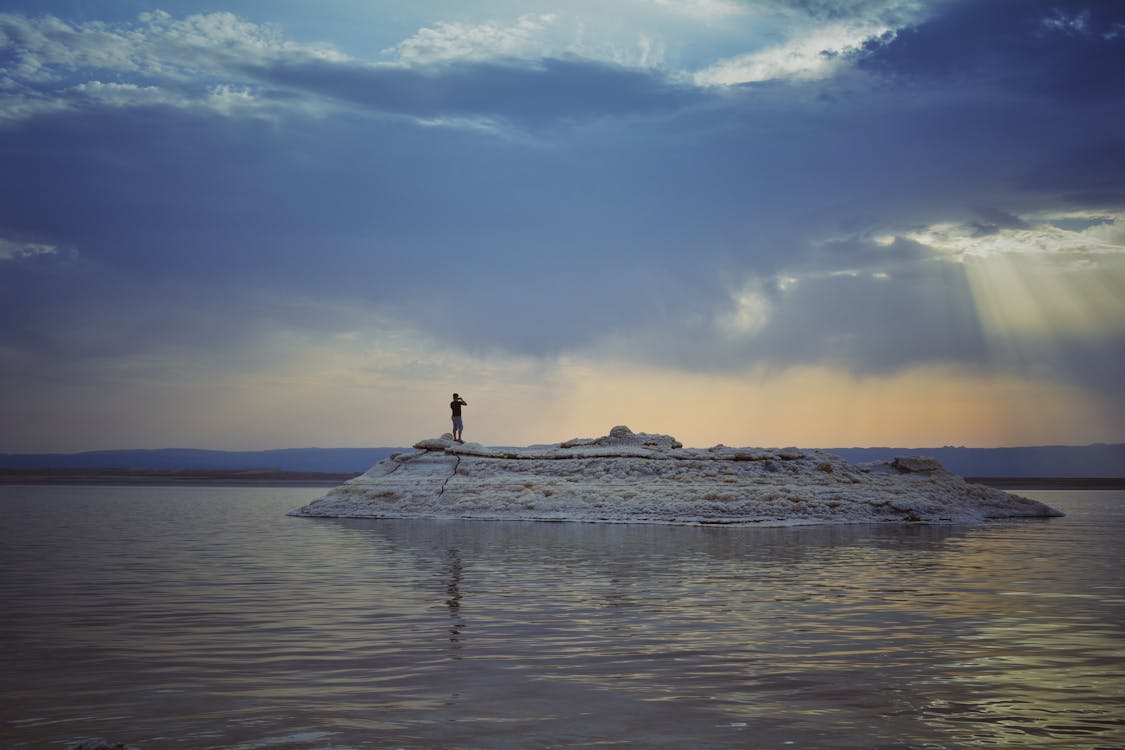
{"x": 622, "y": 435}
{"x": 912, "y": 464}
{"x": 649, "y": 478}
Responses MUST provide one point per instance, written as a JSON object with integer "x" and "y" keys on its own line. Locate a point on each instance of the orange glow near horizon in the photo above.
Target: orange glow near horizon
{"x": 818, "y": 407}
{"x": 329, "y": 395}
{"x": 807, "y": 407}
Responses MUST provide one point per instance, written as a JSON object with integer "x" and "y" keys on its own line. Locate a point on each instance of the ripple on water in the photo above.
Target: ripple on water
{"x": 203, "y": 617}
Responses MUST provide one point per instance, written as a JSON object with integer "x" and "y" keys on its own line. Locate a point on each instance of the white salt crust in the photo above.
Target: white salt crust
{"x": 628, "y": 477}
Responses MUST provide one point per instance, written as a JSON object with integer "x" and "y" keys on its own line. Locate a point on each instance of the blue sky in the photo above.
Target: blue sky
{"x": 268, "y": 224}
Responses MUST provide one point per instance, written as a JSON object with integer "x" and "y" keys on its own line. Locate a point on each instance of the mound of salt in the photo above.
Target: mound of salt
{"x": 647, "y": 478}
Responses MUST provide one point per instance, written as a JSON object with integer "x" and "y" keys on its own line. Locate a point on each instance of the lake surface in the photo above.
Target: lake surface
{"x": 203, "y": 617}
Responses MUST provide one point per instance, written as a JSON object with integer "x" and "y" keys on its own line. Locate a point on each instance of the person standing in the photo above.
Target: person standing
{"x": 455, "y": 406}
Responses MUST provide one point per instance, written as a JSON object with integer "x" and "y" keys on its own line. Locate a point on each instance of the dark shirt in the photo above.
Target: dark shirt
{"x": 455, "y": 405}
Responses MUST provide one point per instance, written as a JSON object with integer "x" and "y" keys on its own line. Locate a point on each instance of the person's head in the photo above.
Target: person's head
{"x": 456, "y": 396}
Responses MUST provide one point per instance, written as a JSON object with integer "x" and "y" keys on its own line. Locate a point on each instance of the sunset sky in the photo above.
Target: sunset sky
{"x": 279, "y": 223}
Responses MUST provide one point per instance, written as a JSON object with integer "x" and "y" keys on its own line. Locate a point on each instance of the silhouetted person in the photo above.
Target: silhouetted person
{"x": 455, "y": 405}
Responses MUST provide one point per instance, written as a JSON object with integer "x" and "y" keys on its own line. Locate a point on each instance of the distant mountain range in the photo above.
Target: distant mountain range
{"x": 1097, "y": 460}
{"x": 333, "y": 460}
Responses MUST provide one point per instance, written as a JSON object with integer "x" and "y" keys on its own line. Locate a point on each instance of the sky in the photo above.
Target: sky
{"x": 278, "y": 223}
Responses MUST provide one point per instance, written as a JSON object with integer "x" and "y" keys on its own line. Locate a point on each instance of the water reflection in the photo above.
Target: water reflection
{"x": 223, "y": 623}
{"x": 453, "y": 566}
{"x": 923, "y": 630}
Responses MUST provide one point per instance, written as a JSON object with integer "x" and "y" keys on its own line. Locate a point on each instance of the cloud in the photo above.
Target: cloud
{"x": 749, "y": 313}
{"x": 198, "y": 62}
{"x": 450, "y": 41}
{"x": 893, "y": 12}
{"x": 814, "y": 54}
{"x": 706, "y": 9}
{"x": 551, "y": 90}
{"x": 923, "y": 314}
{"x": 218, "y": 63}
{"x": 174, "y": 193}
{"x": 961, "y": 241}
{"x": 1023, "y": 47}
{"x": 457, "y": 235}
{"x": 19, "y": 251}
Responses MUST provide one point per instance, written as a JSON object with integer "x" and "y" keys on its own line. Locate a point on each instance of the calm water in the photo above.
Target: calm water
{"x": 203, "y": 617}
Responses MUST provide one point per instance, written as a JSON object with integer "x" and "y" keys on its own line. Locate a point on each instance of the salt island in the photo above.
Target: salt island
{"x": 627, "y": 477}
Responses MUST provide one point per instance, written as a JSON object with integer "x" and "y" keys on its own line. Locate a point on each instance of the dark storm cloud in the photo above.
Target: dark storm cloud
{"x": 485, "y": 245}
{"x": 1071, "y": 50}
{"x": 855, "y": 305}
{"x": 547, "y": 91}
{"x": 1085, "y": 175}
{"x": 1095, "y": 364}
{"x": 890, "y": 11}
{"x": 992, "y": 220}
{"x": 862, "y": 254}
{"x": 611, "y": 202}
{"x": 874, "y": 324}
{"x": 1053, "y": 66}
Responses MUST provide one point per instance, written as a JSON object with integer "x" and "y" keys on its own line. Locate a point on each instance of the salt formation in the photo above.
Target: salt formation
{"x": 642, "y": 478}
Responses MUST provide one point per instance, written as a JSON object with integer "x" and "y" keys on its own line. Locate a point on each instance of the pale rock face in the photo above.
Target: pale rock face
{"x": 644, "y": 478}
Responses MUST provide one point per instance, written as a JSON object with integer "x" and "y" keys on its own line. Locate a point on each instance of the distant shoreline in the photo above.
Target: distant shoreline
{"x": 1051, "y": 483}
{"x": 276, "y": 478}
{"x": 157, "y": 477}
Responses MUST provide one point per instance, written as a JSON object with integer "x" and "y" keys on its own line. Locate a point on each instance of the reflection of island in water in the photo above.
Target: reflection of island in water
{"x": 934, "y": 627}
